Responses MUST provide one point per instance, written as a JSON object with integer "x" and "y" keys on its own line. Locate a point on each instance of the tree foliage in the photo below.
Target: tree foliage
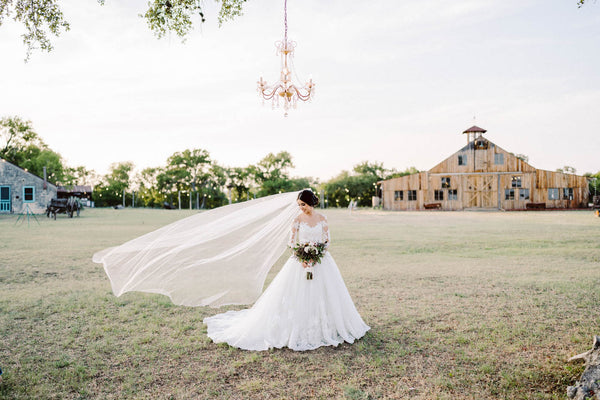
{"x": 567, "y": 170}
{"x": 188, "y": 169}
{"x": 109, "y": 191}
{"x": 271, "y": 174}
{"x": 594, "y": 184}
{"x": 361, "y": 184}
{"x": 239, "y": 180}
{"x": 15, "y": 136}
{"x": 40, "y": 18}
{"x": 44, "y": 18}
{"x": 21, "y": 145}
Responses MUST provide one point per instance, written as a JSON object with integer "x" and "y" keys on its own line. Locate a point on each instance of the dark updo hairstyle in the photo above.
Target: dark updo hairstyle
{"x": 308, "y": 197}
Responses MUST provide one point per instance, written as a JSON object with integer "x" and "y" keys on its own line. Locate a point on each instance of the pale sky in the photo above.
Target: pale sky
{"x": 397, "y": 82}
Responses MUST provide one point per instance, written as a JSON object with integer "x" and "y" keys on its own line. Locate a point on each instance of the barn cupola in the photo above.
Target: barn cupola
{"x": 474, "y": 132}
{"x": 475, "y": 136}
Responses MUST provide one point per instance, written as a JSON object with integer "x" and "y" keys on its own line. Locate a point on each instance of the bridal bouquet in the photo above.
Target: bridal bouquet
{"x": 311, "y": 253}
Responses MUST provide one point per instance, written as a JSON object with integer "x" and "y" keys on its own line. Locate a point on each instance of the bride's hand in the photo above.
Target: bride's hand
{"x": 305, "y": 264}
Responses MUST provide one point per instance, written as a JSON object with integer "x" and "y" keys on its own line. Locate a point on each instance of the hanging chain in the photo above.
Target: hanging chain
{"x": 285, "y": 21}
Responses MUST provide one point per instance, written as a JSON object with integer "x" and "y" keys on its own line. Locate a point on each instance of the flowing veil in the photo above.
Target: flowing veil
{"x": 214, "y": 258}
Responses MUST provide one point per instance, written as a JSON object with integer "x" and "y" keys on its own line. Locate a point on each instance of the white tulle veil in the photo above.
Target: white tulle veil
{"x": 213, "y": 258}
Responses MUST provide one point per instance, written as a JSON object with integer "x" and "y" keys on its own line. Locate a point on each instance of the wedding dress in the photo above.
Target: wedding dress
{"x": 294, "y": 311}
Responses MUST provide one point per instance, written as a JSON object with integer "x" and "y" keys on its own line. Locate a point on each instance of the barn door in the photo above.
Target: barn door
{"x": 480, "y": 191}
{"x": 4, "y": 198}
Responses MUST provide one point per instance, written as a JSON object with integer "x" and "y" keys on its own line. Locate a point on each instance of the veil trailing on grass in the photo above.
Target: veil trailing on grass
{"x": 217, "y": 257}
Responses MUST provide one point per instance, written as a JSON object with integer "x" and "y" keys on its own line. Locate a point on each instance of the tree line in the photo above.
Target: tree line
{"x": 192, "y": 179}
{"x": 189, "y": 178}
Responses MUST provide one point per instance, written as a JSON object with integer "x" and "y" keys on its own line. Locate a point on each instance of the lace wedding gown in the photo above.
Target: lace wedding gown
{"x": 293, "y": 311}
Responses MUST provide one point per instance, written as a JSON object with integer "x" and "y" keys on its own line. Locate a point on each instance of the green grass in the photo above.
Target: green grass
{"x": 462, "y": 305}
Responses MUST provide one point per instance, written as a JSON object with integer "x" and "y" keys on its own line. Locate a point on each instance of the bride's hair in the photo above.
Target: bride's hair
{"x": 308, "y": 197}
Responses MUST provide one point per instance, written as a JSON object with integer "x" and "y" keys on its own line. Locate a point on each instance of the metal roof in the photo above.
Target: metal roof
{"x": 76, "y": 189}
{"x": 475, "y": 128}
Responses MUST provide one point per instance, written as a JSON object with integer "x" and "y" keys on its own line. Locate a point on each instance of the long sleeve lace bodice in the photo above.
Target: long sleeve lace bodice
{"x": 302, "y": 232}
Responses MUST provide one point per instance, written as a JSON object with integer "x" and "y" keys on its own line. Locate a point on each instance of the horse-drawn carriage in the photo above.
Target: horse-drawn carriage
{"x": 68, "y": 206}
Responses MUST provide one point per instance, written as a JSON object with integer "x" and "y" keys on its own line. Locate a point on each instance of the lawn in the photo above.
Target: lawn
{"x": 462, "y": 305}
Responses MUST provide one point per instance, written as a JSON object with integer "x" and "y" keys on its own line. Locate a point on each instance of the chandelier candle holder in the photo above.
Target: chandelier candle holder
{"x": 285, "y": 90}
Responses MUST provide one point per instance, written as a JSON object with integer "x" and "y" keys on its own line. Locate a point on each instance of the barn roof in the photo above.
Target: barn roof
{"x": 75, "y": 189}
{"x": 475, "y": 129}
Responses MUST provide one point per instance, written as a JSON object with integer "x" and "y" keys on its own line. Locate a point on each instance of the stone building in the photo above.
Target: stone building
{"x": 482, "y": 175}
{"x": 22, "y": 191}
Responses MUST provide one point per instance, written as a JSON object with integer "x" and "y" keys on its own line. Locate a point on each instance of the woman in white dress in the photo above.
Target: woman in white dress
{"x": 296, "y": 312}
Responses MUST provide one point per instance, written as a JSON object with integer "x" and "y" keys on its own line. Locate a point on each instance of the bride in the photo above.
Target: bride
{"x": 294, "y": 311}
{"x": 222, "y": 256}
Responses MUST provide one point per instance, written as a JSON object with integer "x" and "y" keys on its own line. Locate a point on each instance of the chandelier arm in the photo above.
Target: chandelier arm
{"x": 269, "y": 95}
{"x": 299, "y": 94}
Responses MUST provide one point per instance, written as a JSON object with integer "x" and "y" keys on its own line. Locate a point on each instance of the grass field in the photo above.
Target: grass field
{"x": 462, "y": 305}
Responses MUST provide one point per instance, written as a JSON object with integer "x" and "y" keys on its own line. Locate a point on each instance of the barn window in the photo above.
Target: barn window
{"x": 446, "y": 182}
{"x": 412, "y": 195}
{"x": 498, "y": 158}
{"x": 523, "y": 194}
{"x": 462, "y": 159}
{"x": 438, "y": 195}
{"x": 452, "y": 194}
{"x": 398, "y": 194}
{"x": 553, "y": 194}
{"x": 567, "y": 193}
{"x": 509, "y": 194}
{"x": 28, "y": 194}
{"x": 516, "y": 181}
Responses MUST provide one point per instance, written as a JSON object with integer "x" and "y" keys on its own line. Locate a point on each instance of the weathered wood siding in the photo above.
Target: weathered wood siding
{"x": 482, "y": 159}
{"x": 482, "y": 175}
{"x": 417, "y": 182}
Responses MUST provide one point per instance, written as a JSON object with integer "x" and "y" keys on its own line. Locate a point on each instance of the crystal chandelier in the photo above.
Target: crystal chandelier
{"x": 285, "y": 90}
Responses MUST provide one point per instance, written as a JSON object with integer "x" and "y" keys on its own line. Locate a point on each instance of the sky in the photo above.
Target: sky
{"x": 397, "y": 83}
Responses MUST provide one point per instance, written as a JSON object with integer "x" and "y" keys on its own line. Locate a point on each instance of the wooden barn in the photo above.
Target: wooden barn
{"x": 482, "y": 175}
{"x": 22, "y": 191}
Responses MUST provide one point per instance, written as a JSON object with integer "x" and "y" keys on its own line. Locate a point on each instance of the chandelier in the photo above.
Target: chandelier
{"x": 285, "y": 90}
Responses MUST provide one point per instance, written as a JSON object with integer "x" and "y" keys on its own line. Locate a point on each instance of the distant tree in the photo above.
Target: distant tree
{"x": 109, "y": 191}
{"x": 43, "y": 18}
{"x": 79, "y": 176}
{"x": 271, "y": 173}
{"x": 360, "y": 185}
{"x": 375, "y": 169}
{"x": 36, "y": 158}
{"x": 191, "y": 176}
{"x": 239, "y": 180}
{"x": 397, "y": 174}
{"x": 147, "y": 193}
{"x": 190, "y": 168}
{"x": 16, "y": 135}
{"x": 594, "y": 184}
{"x": 22, "y": 146}
{"x": 567, "y": 170}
